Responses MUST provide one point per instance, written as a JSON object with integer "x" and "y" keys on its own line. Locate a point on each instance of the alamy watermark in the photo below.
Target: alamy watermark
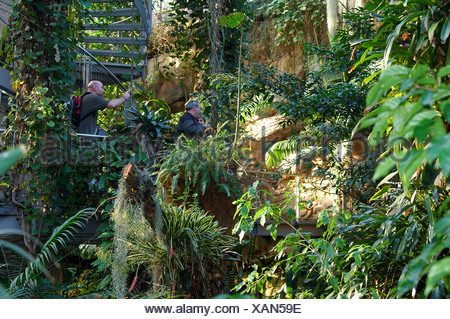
{"x": 90, "y": 150}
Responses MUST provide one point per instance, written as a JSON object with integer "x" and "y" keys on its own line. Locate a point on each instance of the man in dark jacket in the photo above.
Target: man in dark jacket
{"x": 188, "y": 125}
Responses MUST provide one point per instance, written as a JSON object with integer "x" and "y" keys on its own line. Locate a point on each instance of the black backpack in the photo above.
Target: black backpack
{"x": 74, "y": 109}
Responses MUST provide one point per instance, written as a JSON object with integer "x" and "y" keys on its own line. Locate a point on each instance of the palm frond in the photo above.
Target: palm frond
{"x": 281, "y": 150}
{"x": 60, "y": 238}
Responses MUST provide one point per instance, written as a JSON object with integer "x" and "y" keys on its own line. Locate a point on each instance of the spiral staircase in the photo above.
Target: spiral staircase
{"x": 114, "y": 47}
{"x": 113, "y": 51}
{"x": 120, "y": 26}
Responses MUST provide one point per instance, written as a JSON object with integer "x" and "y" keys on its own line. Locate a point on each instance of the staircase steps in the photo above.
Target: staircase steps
{"x": 122, "y": 44}
{"x": 114, "y": 53}
{"x": 116, "y": 40}
{"x": 116, "y": 27}
{"x": 121, "y": 12}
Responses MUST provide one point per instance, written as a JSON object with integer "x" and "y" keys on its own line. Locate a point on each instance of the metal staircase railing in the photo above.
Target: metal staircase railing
{"x": 128, "y": 23}
{"x": 90, "y": 65}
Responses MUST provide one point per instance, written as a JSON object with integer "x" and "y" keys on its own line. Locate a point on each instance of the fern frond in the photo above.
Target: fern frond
{"x": 225, "y": 188}
{"x": 281, "y": 150}
{"x": 61, "y": 235}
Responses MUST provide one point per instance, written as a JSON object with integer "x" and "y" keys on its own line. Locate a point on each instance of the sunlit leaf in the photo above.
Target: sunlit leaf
{"x": 10, "y": 157}
{"x": 380, "y": 193}
{"x": 445, "y": 31}
{"x": 440, "y": 270}
{"x": 232, "y": 20}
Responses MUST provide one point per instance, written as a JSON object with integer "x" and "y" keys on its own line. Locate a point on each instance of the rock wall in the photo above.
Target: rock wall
{"x": 171, "y": 80}
{"x": 176, "y": 87}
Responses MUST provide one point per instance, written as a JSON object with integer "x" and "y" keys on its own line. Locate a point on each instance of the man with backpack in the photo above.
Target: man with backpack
{"x": 92, "y": 102}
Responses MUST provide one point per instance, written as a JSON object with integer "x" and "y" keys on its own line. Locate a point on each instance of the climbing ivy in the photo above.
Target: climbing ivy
{"x": 39, "y": 47}
{"x": 39, "y": 43}
{"x": 189, "y": 23}
{"x": 295, "y": 19}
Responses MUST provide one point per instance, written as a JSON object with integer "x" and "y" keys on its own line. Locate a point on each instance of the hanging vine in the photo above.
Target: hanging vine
{"x": 39, "y": 45}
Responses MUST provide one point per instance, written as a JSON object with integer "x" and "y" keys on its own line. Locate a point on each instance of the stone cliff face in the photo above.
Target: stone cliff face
{"x": 174, "y": 88}
{"x": 173, "y": 82}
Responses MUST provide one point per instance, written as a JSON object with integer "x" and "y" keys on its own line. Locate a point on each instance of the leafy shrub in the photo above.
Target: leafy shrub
{"x": 194, "y": 165}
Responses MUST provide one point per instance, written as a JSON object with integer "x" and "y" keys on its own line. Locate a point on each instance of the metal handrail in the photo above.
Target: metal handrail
{"x": 2, "y": 130}
{"x": 118, "y": 82}
{"x": 146, "y": 12}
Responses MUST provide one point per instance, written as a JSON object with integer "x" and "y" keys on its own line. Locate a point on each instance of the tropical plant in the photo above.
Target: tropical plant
{"x": 184, "y": 251}
{"x": 40, "y": 42}
{"x": 5, "y": 293}
{"x": 7, "y": 159}
{"x": 432, "y": 262}
{"x": 361, "y": 255}
{"x": 262, "y": 88}
{"x": 409, "y": 33}
{"x": 400, "y": 232}
{"x": 337, "y": 58}
{"x": 151, "y": 124}
{"x": 413, "y": 118}
{"x": 234, "y": 20}
{"x": 250, "y": 211}
{"x": 25, "y": 284}
{"x": 321, "y": 140}
{"x": 194, "y": 165}
{"x": 294, "y": 20}
{"x": 194, "y": 24}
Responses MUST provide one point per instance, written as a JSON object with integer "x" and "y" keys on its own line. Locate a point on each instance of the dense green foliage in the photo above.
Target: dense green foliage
{"x": 297, "y": 21}
{"x": 396, "y": 244}
{"x": 195, "y": 30}
{"x": 387, "y": 79}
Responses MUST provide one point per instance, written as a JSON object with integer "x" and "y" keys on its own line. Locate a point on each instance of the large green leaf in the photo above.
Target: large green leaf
{"x": 384, "y": 168}
{"x": 10, "y": 157}
{"x": 443, "y": 71}
{"x": 440, "y": 270}
{"x": 380, "y": 193}
{"x": 445, "y": 31}
{"x": 440, "y": 148}
{"x": 432, "y": 29}
{"x": 232, "y": 20}
{"x": 394, "y": 35}
{"x": 409, "y": 166}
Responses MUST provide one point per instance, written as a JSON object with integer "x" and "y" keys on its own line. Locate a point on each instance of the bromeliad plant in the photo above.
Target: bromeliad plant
{"x": 182, "y": 253}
